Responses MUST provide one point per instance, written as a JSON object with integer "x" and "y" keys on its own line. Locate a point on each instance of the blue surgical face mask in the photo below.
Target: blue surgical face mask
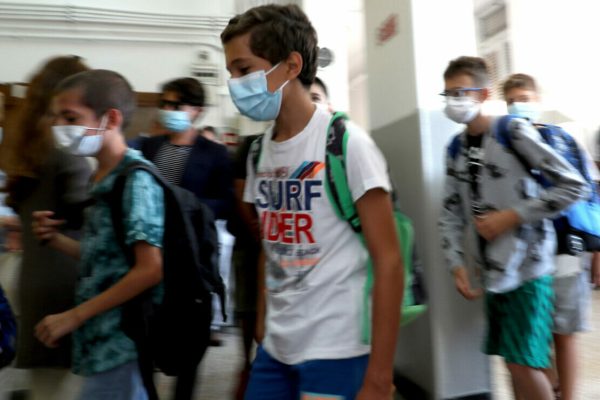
{"x": 251, "y": 95}
{"x": 530, "y": 110}
{"x": 175, "y": 121}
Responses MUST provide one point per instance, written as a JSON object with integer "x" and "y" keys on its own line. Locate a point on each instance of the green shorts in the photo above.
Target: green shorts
{"x": 520, "y": 323}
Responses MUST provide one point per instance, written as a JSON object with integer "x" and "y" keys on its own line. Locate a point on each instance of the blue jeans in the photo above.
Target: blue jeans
{"x": 121, "y": 383}
{"x": 339, "y": 379}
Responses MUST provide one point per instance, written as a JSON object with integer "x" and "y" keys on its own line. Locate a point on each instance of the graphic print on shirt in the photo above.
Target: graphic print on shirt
{"x": 285, "y": 202}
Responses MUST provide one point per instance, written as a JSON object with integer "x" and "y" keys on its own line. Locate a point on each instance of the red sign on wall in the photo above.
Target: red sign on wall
{"x": 388, "y": 29}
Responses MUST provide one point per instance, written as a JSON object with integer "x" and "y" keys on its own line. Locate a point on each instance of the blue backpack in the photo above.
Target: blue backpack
{"x": 8, "y": 332}
{"x": 578, "y": 226}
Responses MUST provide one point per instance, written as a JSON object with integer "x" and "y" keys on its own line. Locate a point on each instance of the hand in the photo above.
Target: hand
{"x": 595, "y": 270}
{"x": 372, "y": 390}
{"x": 461, "y": 280}
{"x": 493, "y": 224}
{"x": 55, "y": 326}
{"x": 44, "y": 227}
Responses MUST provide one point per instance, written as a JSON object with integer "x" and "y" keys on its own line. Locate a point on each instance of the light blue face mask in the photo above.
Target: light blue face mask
{"x": 530, "y": 110}
{"x": 251, "y": 95}
{"x": 175, "y": 121}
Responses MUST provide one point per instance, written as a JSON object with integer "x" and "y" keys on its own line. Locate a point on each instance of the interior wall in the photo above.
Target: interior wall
{"x": 551, "y": 41}
{"x": 441, "y": 352}
{"x": 147, "y": 42}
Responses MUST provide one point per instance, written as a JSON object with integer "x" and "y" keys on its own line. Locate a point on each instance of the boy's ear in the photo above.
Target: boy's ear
{"x": 485, "y": 94}
{"x": 115, "y": 119}
{"x": 294, "y": 64}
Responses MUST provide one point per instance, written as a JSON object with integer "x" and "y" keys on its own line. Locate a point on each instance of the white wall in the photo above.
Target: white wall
{"x": 391, "y": 69}
{"x": 180, "y": 7}
{"x": 405, "y": 76}
{"x": 333, "y": 33}
{"x": 148, "y": 42}
{"x": 458, "y": 325}
{"x": 555, "y": 41}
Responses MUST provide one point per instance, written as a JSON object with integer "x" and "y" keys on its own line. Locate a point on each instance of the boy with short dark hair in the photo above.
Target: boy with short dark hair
{"x": 315, "y": 264}
{"x": 572, "y": 292}
{"x": 187, "y": 159}
{"x": 491, "y": 198}
{"x": 91, "y": 110}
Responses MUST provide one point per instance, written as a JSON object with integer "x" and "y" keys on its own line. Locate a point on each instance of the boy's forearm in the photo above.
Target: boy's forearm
{"x": 388, "y": 292}
{"x": 135, "y": 282}
{"x": 66, "y": 245}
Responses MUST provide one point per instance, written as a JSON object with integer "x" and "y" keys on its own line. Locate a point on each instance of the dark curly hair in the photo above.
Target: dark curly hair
{"x": 275, "y": 32}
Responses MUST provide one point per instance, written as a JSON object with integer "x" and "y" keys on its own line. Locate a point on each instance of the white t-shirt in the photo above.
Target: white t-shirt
{"x": 315, "y": 264}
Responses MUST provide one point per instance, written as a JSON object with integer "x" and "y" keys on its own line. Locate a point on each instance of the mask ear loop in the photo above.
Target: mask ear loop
{"x": 271, "y": 70}
{"x": 103, "y": 123}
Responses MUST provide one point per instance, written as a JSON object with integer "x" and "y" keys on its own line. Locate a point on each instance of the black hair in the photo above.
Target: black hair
{"x": 190, "y": 90}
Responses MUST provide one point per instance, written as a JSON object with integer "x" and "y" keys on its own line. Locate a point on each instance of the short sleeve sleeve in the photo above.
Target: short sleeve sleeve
{"x": 365, "y": 164}
{"x": 143, "y": 209}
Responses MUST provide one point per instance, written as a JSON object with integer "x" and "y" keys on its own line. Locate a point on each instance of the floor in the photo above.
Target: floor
{"x": 218, "y": 373}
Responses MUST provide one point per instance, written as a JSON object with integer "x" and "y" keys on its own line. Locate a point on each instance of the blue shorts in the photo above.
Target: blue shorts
{"x": 121, "y": 383}
{"x": 339, "y": 379}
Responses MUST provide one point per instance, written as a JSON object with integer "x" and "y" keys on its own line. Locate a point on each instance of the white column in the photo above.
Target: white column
{"x": 409, "y": 44}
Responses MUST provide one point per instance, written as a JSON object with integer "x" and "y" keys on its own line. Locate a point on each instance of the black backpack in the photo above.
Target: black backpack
{"x": 176, "y": 331}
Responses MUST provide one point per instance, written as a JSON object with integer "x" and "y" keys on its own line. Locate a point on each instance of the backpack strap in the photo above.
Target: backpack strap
{"x": 336, "y": 182}
{"x": 256, "y": 151}
{"x": 503, "y": 135}
{"x": 115, "y": 201}
{"x": 455, "y": 146}
{"x": 550, "y": 132}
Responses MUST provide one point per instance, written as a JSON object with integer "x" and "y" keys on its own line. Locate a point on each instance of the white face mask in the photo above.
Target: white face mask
{"x": 72, "y": 138}
{"x": 530, "y": 110}
{"x": 462, "y": 110}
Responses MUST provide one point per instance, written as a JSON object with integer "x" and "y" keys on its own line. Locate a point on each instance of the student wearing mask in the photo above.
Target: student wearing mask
{"x": 40, "y": 175}
{"x": 572, "y": 295}
{"x": 491, "y": 199}
{"x": 315, "y": 268}
{"x": 91, "y": 110}
{"x": 190, "y": 160}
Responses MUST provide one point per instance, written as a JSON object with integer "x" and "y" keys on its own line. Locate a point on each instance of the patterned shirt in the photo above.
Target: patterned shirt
{"x": 527, "y": 251}
{"x": 100, "y": 344}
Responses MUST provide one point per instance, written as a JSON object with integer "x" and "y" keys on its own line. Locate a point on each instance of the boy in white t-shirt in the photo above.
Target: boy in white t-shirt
{"x": 315, "y": 265}
{"x": 572, "y": 277}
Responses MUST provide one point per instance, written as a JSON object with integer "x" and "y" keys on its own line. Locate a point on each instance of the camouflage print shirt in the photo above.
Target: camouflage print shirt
{"x": 526, "y": 252}
{"x": 100, "y": 344}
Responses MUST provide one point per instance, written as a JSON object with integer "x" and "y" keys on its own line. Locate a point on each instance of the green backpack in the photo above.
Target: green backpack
{"x": 338, "y": 191}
